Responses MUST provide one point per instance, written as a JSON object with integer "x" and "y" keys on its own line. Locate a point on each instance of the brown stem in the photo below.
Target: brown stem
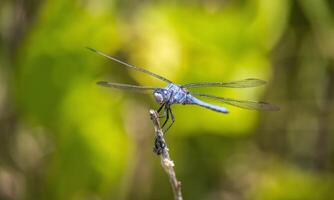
{"x": 166, "y": 162}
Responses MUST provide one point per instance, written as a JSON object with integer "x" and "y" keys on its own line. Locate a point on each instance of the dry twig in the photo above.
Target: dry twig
{"x": 162, "y": 150}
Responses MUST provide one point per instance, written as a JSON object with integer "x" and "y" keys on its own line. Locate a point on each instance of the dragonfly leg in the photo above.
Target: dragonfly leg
{"x": 173, "y": 119}
{"x": 163, "y": 115}
{"x": 167, "y": 110}
{"x": 167, "y": 117}
{"x": 162, "y": 105}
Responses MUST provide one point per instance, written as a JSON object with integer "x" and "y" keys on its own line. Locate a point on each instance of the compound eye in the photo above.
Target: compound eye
{"x": 158, "y": 97}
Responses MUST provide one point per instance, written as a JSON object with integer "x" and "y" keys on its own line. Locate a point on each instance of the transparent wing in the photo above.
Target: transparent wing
{"x": 246, "y": 83}
{"x": 131, "y": 66}
{"x": 122, "y": 86}
{"x": 252, "y": 105}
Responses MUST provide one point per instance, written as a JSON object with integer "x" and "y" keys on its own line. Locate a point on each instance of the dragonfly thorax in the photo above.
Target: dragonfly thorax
{"x": 171, "y": 94}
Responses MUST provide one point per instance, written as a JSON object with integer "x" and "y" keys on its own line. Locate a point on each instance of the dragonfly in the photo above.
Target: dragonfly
{"x": 174, "y": 93}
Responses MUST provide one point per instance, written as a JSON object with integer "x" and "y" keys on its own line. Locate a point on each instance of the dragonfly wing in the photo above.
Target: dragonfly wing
{"x": 125, "y": 86}
{"x": 251, "y": 105}
{"x": 129, "y": 65}
{"x": 246, "y": 83}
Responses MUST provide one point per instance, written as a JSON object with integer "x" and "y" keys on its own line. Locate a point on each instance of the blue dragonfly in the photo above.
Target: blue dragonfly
{"x": 179, "y": 94}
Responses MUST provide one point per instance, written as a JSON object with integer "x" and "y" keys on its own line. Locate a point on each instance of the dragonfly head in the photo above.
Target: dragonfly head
{"x": 160, "y": 95}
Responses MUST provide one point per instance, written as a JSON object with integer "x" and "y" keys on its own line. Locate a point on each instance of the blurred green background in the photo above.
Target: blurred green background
{"x": 63, "y": 137}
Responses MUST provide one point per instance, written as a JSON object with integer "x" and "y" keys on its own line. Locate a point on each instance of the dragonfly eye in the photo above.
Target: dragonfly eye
{"x": 159, "y": 97}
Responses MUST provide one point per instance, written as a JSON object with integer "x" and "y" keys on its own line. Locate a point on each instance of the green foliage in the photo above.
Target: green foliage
{"x": 99, "y": 141}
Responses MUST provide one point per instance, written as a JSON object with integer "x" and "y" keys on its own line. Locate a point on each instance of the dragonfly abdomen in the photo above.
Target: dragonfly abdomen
{"x": 208, "y": 106}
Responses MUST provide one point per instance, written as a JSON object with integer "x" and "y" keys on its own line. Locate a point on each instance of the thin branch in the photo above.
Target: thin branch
{"x": 162, "y": 150}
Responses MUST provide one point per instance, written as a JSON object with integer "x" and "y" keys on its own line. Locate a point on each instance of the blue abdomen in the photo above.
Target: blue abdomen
{"x": 193, "y": 100}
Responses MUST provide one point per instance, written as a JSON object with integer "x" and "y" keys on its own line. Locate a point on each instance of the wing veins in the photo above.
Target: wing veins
{"x": 129, "y": 65}
{"x": 246, "y": 83}
{"x": 251, "y": 105}
{"x": 125, "y": 86}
